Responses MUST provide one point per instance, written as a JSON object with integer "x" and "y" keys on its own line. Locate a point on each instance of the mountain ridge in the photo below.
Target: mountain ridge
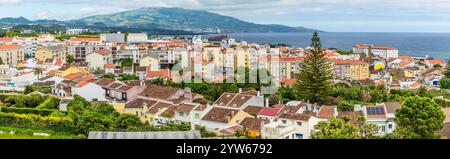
{"x": 165, "y": 18}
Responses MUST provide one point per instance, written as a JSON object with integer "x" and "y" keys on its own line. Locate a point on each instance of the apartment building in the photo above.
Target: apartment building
{"x": 385, "y": 52}
{"x": 351, "y": 70}
{"x": 11, "y": 54}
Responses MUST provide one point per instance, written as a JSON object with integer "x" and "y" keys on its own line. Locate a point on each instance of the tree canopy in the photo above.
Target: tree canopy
{"x": 419, "y": 118}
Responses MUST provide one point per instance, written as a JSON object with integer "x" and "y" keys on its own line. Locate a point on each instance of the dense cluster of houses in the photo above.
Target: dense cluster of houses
{"x": 42, "y": 61}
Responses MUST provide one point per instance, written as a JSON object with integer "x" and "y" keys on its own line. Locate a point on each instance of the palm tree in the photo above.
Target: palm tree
{"x": 38, "y": 72}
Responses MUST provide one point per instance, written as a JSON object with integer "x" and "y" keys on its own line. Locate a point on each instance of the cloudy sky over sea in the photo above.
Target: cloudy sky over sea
{"x": 328, "y": 15}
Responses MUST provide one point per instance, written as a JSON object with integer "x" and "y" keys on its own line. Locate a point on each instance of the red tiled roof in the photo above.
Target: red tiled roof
{"x": 103, "y": 51}
{"x": 326, "y": 112}
{"x": 384, "y": 47}
{"x": 345, "y": 62}
{"x": 365, "y": 46}
{"x": 436, "y": 61}
{"x": 74, "y": 76}
{"x": 404, "y": 63}
{"x": 289, "y": 82}
{"x": 52, "y": 72}
{"x": 160, "y": 73}
{"x": 110, "y": 65}
{"x": 404, "y": 57}
{"x": 6, "y": 39}
{"x": 84, "y": 39}
{"x": 10, "y": 46}
{"x": 269, "y": 111}
{"x": 415, "y": 85}
{"x": 58, "y": 62}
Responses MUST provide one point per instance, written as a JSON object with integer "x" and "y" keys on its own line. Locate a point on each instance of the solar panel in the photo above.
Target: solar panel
{"x": 375, "y": 110}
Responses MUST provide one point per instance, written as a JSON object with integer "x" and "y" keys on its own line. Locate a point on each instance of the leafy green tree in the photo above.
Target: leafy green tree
{"x": 1, "y": 61}
{"x": 70, "y": 58}
{"x": 77, "y": 105}
{"x": 315, "y": 78}
{"x": 28, "y": 89}
{"x": 49, "y": 103}
{"x": 127, "y": 77}
{"x": 437, "y": 66}
{"x": 105, "y": 109}
{"x": 336, "y": 129}
{"x": 90, "y": 120}
{"x": 127, "y": 122}
{"x": 127, "y": 63}
{"x": 444, "y": 83}
{"x": 13, "y": 33}
{"x": 109, "y": 75}
{"x": 422, "y": 91}
{"x": 345, "y": 107}
{"x": 420, "y": 117}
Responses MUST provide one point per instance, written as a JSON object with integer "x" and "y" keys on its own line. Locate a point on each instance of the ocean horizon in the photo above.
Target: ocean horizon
{"x": 436, "y": 45}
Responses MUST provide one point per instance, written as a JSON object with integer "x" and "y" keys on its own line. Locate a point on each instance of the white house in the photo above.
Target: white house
{"x": 99, "y": 58}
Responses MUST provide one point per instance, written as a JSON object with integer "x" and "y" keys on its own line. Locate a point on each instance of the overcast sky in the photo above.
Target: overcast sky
{"x": 328, "y": 15}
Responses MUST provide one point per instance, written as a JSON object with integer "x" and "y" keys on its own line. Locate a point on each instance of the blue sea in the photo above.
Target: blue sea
{"x": 435, "y": 45}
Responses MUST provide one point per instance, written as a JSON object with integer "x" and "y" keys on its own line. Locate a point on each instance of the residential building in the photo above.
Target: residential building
{"x": 113, "y": 38}
{"x": 11, "y": 54}
{"x": 351, "y": 70}
{"x": 52, "y": 52}
{"x": 385, "y": 52}
{"x": 137, "y": 37}
{"x": 99, "y": 58}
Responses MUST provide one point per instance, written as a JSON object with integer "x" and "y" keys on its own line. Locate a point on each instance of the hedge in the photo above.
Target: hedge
{"x": 41, "y": 112}
{"x": 33, "y": 121}
{"x": 442, "y": 102}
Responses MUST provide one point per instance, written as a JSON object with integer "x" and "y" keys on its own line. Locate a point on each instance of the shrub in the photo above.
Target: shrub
{"x": 442, "y": 102}
{"x": 41, "y": 112}
{"x": 33, "y": 121}
{"x": 445, "y": 83}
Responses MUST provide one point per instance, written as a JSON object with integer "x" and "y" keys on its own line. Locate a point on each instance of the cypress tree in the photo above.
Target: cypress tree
{"x": 315, "y": 79}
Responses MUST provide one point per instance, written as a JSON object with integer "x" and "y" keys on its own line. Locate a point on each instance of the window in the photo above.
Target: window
{"x": 284, "y": 121}
{"x": 299, "y": 123}
{"x": 390, "y": 126}
{"x": 298, "y": 136}
{"x": 181, "y": 114}
{"x": 196, "y": 116}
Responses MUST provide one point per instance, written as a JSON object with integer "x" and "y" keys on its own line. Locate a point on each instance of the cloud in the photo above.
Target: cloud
{"x": 290, "y": 12}
{"x": 10, "y": 2}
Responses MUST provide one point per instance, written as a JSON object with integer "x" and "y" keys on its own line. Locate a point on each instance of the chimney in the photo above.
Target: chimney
{"x": 258, "y": 93}
{"x": 267, "y": 102}
{"x": 240, "y": 90}
{"x": 142, "y": 83}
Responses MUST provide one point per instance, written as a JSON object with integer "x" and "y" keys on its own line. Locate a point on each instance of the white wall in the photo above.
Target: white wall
{"x": 90, "y": 91}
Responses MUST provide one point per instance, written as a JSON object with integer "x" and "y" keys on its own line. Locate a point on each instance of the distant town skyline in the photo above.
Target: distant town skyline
{"x": 327, "y": 15}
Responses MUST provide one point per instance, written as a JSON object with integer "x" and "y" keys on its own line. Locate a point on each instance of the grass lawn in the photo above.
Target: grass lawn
{"x": 21, "y": 133}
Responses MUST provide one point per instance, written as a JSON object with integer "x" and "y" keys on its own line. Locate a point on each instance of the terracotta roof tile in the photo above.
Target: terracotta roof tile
{"x": 221, "y": 115}
{"x": 253, "y": 123}
{"x": 103, "y": 51}
{"x": 105, "y": 82}
{"x": 159, "y": 92}
{"x": 139, "y": 103}
{"x": 254, "y": 110}
{"x": 10, "y": 46}
{"x": 269, "y": 112}
{"x": 326, "y": 112}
